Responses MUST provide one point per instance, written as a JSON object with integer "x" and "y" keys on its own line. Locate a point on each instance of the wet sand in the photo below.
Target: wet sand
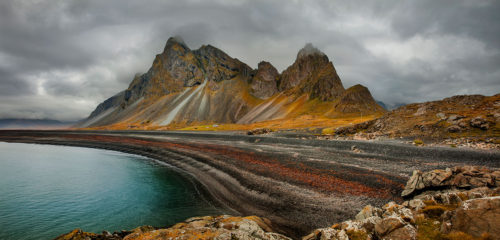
{"x": 300, "y": 184}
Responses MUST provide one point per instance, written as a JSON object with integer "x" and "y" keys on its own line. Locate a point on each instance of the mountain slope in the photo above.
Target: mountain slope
{"x": 206, "y": 86}
{"x": 454, "y": 117}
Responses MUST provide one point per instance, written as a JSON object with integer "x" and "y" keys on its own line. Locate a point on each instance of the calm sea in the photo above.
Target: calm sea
{"x": 49, "y": 190}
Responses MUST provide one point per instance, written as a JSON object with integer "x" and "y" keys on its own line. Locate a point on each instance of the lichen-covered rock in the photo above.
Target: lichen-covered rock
{"x": 477, "y": 217}
{"x": 457, "y": 177}
{"x": 367, "y": 212}
{"x": 434, "y": 213}
{"x": 208, "y": 227}
{"x": 415, "y": 204}
{"x": 407, "y": 232}
{"x": 387, "y": 225}
{"x": 479, "y": 122}
{"x": 76, "y": 234}
{"x": 327, "y": 234}
{"x": 221, "y": 227}
{"x": 393, "y": 209}
{"x": 138, "y": 231}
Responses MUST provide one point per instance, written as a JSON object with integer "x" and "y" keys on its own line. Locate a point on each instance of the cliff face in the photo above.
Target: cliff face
{"x": 206, "y": 85}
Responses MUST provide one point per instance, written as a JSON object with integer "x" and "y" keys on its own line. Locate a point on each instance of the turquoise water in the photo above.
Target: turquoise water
{"x": 49, "y": 190}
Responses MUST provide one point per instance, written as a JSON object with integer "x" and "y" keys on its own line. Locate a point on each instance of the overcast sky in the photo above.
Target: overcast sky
{"x": 60, "y": 58}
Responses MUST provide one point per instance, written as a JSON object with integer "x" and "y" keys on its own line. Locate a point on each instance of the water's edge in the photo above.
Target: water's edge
{"x": 202, "y": 193}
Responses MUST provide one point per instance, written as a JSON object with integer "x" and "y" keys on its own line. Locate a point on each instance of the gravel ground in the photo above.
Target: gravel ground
{"x": 299, "y": 183}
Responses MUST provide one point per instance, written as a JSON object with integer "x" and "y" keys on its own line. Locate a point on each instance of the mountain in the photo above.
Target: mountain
{"x": 206, "y": 86}
{"x": 20, "y": 123}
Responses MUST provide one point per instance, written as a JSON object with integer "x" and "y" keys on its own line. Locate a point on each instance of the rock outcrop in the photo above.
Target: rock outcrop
{"x": 221, "y": 227}
{"x": 465, "y": 177}
{"x": 448, "y": 213}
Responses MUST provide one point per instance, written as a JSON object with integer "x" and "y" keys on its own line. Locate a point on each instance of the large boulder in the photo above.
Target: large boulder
{"x": 457, "y": 177}
{"x": 327, "y": 234}
{"x": 479, "y": 122}
{"x": 478, "y": 217}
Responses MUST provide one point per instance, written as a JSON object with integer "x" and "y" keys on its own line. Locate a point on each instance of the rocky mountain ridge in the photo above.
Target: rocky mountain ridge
{"x": 206, "y": 85}
{"x": 465, "y": 116}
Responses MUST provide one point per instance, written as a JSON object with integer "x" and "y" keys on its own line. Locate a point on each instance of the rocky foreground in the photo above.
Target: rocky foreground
{"x": 455, "y": 203}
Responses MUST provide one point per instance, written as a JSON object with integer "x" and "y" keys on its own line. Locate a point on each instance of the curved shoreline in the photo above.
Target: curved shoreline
{"x": 299, "y": 184}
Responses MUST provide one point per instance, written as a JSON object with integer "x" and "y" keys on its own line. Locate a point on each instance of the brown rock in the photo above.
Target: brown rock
{"x": 138, "y": 231}
{"x": 414, "y": 183}
{"x": 387, "y": 225}
{"x": 458, "y": 177}
{"x": 462, "y": 124}
{"x": 76, "y": 234}
{"x": 478, "y": 216}
{"x": 479, "y": 122}
{"x": 454, "y": 117}
{"x": 367, "y": 212}
{"x": 259, "y": 131}
{"x": 327, "y": 234}
{"x": 414, "y": 204}
{"x": 454, "y": 128}
{"x": 408, "y": 232}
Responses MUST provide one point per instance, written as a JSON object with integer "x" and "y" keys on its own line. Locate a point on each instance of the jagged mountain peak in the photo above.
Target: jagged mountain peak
{"x": 176, "y": 40}
{"x": 207, "y": 51}
{"x": 264, "y": 82}
{"x": 309, "y": 50}
{"x": 312, "y": 73}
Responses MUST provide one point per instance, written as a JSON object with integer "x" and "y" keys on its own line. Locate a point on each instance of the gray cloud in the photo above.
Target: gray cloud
{"x": 61, "y": 58}
{"x": 13, "y": 85}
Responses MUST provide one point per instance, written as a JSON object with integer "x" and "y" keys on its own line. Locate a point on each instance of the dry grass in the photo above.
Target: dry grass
{"x": 300, "y": 122}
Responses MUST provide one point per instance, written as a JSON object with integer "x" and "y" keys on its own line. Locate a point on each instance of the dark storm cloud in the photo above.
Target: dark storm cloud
{"x": 470, "y": 18}
{"x": 60, "y": 58}
{"x": 13, "y": 85}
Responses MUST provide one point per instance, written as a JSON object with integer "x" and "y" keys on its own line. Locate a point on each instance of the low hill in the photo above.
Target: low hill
{"x": 454, "y": 117}
{"x": 21, "y": 123}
